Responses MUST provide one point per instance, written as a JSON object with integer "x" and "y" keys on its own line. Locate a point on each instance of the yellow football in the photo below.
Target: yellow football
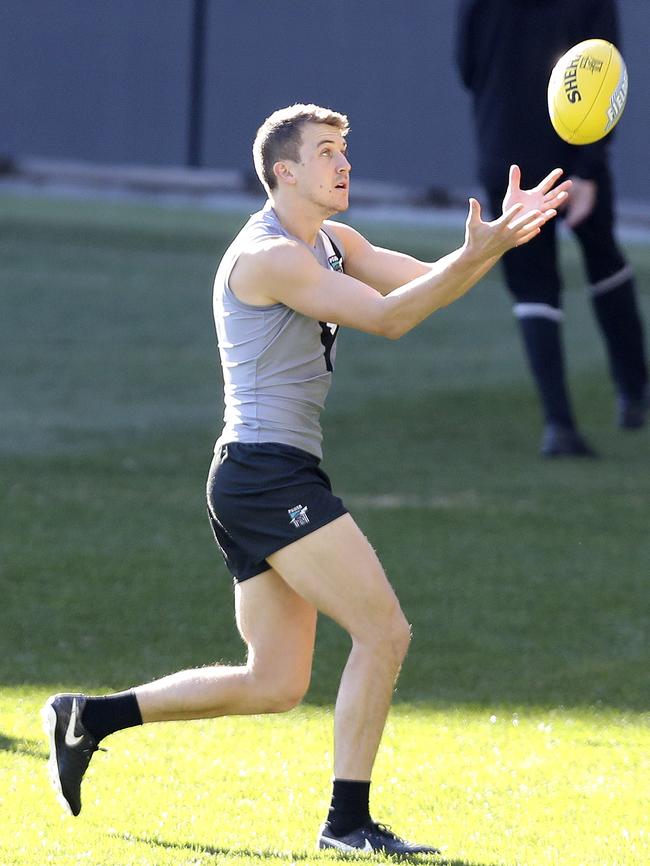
{"x": 587, "y": 91}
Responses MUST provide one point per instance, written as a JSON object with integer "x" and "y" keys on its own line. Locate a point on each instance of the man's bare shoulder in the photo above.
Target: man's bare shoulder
{"x": 274, "y": 254}
{"x": 262, "y": 265}
{"x": 348, "y": 235}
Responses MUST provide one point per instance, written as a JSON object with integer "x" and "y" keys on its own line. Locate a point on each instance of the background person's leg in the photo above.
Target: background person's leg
{"x": 533, "y": 279}
{"x": 614, "y": 302}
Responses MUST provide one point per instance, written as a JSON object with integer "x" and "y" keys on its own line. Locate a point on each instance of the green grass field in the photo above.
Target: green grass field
{"x": 519, "y": 735}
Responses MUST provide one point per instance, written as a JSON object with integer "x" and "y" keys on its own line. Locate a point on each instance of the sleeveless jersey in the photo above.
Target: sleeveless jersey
{"x": 277, "y": 364}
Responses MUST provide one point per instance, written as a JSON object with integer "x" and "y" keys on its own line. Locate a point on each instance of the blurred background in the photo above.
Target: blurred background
{"x": 521, "y": 717}
{"x": 172, "y": 83}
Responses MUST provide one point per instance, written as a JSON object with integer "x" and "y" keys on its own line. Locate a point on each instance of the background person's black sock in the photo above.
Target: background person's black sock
{"x": 349, "y": 809}
{"x": 618, "y": 316}
{"x": 543, "y": 345}
{"x": 105, "y": 715}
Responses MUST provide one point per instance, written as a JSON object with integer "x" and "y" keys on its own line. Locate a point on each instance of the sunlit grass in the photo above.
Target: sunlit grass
{"x": 489, "y": 785}
{"x": 519, "y": 735}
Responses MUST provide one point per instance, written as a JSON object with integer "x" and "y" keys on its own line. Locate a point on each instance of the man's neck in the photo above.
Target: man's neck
{"x": 301, "y": 219}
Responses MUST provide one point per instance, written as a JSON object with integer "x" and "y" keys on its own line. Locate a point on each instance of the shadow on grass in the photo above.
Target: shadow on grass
{"x": 23, "y": 746}
{"x": 288, "y": 856}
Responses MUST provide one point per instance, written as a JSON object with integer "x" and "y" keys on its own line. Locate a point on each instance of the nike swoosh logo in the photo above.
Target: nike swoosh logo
{"x": 70, "y": 738}
{"x": 341, "y": 846}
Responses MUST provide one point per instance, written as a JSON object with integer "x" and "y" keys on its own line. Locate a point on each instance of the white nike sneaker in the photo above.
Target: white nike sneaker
{"x": 71, "y": 747}
{"x": 369, "y": 839}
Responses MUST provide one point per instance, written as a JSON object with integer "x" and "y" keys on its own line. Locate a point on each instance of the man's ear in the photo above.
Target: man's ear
{"x": 284, "y": 172}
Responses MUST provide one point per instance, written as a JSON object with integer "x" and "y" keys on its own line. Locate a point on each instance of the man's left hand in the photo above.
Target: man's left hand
{"x": 545, "y": 197}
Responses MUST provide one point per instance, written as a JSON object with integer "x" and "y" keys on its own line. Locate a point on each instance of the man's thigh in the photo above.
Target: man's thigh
{"x": 277, "y": 624}
{"x": 336, "y": 570}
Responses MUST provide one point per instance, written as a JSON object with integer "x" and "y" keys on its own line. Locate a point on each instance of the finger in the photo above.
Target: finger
{"x": 514, "y": 177}
{"x": 555, "y": 198}
{"x": 531, "y": 229}
{"x": 548, "y": 215}
{"x": 527, "y": 237}
{"x": 549, "y": 180}
{"x": 564, "y": 187}
{"x": 538, "y": 220}
{"x": 474, "y": 214}
{"x": 513, "y": 211}
{"x": 522, "y": 219}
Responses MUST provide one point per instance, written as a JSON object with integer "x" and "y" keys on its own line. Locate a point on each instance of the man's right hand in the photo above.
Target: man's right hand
{"x": 489, "y": 240}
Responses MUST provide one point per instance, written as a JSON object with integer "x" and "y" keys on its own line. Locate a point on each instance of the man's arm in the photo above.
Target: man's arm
{"x": 386, "y": 270}
{"x": 380, "y": 268}
{"x": 285, "y": 271}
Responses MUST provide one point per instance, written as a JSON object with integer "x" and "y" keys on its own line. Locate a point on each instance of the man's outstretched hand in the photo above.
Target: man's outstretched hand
{"x": 546, "y": 197}
{"x": 516, "y": 226}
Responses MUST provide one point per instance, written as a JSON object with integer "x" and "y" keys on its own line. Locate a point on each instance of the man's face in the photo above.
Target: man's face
{"x": 323, "y": 172}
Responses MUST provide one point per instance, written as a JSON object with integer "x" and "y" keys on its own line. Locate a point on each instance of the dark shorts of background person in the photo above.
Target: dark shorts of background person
{"x": 263, "y": 497}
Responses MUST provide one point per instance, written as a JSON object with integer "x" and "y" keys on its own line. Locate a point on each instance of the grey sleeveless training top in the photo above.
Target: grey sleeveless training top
{"x": 277, "y": 364}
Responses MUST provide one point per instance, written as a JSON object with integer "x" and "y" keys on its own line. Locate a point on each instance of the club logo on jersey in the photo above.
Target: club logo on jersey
{"x": 298, "y": 516}
{"x": 336, "y": 263}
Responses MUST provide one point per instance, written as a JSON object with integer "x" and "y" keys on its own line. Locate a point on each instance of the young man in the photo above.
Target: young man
{"x": 494, "y": 38}
{"x": 283, "y": 288}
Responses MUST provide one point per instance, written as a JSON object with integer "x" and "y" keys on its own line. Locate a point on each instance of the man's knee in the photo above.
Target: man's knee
{"x": 388, "y": 638}
{"x": 401, "y": 635}
{"x": 280, "y": 692}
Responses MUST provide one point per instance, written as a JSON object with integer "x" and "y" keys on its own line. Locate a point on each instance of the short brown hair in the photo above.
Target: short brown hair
{"x": 279, "y": 137}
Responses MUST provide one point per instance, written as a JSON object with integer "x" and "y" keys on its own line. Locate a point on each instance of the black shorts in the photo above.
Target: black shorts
{"x": 262, "y": 497}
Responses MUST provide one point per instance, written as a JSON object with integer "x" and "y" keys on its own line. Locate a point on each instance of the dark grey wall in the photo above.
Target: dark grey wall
{"x": 103, "y": 80}
{"x": 109, "y": 80}
{"x": 389, "y": 70}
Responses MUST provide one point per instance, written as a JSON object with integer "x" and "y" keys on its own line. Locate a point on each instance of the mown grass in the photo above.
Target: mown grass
{"x": 520, "y": 728}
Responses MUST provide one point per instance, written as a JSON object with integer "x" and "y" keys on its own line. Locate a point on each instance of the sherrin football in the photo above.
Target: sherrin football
{"x": 587, "y": 91}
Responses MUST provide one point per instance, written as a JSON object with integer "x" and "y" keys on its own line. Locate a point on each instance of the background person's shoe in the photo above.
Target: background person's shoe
{"x": 369, "y": 839}
{"x": 560, "y": 441}
{"x": 71, "y": 747}
{"x": 633, "y": 412}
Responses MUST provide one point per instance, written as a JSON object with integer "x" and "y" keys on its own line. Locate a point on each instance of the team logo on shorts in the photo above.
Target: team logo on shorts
{"x": 298, "y": 515}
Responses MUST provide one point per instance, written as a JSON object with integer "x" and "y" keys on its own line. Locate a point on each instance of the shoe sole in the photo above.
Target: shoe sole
{"x": 349, "y": 851}
{"x": 48, "y": 716}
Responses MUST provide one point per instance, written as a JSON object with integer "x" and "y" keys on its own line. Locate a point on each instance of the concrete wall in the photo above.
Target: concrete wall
{"x": 109, "y": 81}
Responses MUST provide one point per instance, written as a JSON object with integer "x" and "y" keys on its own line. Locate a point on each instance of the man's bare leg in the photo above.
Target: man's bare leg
{"x": 279, "y": 629}
{"x": 337, "y": 571}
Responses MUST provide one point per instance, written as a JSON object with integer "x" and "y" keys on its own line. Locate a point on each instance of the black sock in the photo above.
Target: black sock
{"x": 618, "y": 316}
{"x": 543, "y": 346}
{"x": 105, "y": 715}
{"x": 349, "y": 809}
